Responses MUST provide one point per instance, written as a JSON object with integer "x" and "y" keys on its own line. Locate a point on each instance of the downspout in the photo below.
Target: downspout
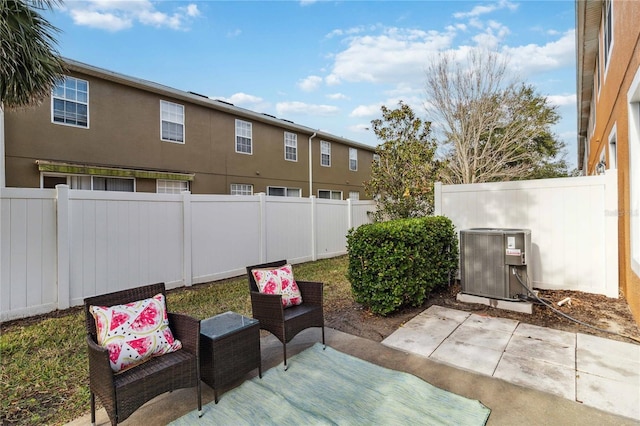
{"x": 311, "y": 165}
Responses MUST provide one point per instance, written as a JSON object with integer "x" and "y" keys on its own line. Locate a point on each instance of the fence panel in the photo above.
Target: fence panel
{"x": 574, "y": 238}
{"x": 288, "y": 229}
{"x": 226, "y": 235}
{"x": 332, "y": 224}
{"x": 27, "y": 252}
{"x": 121, "y": 240}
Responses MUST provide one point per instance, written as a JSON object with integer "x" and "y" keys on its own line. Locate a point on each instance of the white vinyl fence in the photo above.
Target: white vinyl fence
{"x": 59, "y": 246}
{"x": 573, "y": 222}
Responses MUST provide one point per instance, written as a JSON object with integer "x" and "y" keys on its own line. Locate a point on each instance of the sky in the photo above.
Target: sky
{"x": 327, "y": 65}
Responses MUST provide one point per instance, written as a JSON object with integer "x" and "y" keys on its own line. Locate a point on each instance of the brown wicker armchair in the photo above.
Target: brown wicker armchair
{"x": 123, "y": 393}
{"x": 286, "y": 323}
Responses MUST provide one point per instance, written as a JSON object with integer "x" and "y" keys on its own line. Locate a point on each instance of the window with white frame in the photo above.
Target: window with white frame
{"x": 171, "y": 122}
{"x": 244, "y": 137}
{"x": 353, "y": 159}
{"x": 376, "y": 158}
{"x": 325, "y": 153}
{"x": 281, "y": 191}
{"x": 92, "y": 183}
{"x": 290, "y": 146}
{"x": 607, "y": 30}
{"x": 70, "y": 102}
{"x": 329, "y": 194}
{"x": 165, "y": 186}
{"x": 354, "y": 195}
{"x": 241, "y": 189}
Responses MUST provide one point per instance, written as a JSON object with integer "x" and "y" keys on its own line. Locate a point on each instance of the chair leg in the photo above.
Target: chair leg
{"x": 199, "y": 387}
{"x": 93, "y": 409}
{"x": 284, "y": 351}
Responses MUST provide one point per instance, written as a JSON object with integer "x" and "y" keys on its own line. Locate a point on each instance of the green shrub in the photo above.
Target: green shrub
{"x": 398, "y": 263}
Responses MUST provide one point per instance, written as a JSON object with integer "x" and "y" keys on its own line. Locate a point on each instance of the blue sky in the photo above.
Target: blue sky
{"x": 328, "y": 65}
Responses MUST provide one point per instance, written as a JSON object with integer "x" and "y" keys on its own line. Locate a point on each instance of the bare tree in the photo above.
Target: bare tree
{"x": 492, "y": 125}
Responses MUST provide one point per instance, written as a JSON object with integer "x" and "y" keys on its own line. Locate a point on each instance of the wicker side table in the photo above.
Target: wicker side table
{"x": 229, "y": 348}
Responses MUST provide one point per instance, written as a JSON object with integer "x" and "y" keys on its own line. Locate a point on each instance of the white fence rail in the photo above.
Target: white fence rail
{"x": 59, "y": 245}
{"x": 573, "y": 222}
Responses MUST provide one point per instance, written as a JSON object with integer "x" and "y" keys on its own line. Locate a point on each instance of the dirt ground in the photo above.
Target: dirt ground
{"x": 599, "y": 311}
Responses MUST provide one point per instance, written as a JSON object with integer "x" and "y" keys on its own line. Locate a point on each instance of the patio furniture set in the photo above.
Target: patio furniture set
{"x": 139, "y": 350}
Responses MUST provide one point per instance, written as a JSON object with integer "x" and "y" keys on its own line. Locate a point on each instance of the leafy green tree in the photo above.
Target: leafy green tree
{"x": 402, "y": 179}
{"x": 494, "y": 127}
{"x": 30, "y": 64}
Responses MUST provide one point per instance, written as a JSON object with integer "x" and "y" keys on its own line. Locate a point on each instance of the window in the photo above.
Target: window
{"x": 243, "y": 137}
{"x": 171, "y": 122}
{"x": 241, "y": 189}
{"x": 353, "y": 159}
{"x": 281, "y": 191}
{"x": 354, "y": 195}
{"x": 329, "y": 195}
{"x": 93, "y": 183}
{"x": 70, "y": 102}
{"x": 171, "y": 186}
{"x": 290, "y": 146}
{"x": 376, "y": 158}
{"x": 607, "y": 32}
{"x": 325, "y": 153}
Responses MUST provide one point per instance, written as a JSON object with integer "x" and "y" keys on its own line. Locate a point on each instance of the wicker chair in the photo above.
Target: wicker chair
{"x": 286, "y": 323}
{"x": 123, "y": 393}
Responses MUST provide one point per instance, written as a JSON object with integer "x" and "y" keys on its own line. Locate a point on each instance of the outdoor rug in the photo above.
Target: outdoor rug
{"x": 331, "y": 388}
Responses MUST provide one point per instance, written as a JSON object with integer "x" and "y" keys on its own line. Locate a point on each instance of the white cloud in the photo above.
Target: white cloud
{"x": 120, "y": 15}
{"x": 562, "y": 100}
{"x": 482, "y": 10}
{"x": 102, "y": 21}
{"x": 246, "y": 101}
{"x": 310, "y": 83}
{"x": 393, "y": 55}
{"x": 371, "y": 110}
{"x": 234, "y": 33}
{"x": 301, "y": 108}
{"x": 533, "y": 58}
{"x": 337, "y": 96}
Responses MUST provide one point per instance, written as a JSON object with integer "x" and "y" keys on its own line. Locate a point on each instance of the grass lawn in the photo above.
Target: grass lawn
{"x": 44, "y": 375}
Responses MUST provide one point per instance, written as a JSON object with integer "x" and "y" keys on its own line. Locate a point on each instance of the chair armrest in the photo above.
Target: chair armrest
{"x": 187, "y": 330}
{"x": 312, "y": 292}
{"x": 266, "y": 305}
{"x": 100, "y": 372}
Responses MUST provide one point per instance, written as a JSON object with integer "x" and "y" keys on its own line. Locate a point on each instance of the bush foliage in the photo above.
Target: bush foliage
{"x": 398, "y": 263}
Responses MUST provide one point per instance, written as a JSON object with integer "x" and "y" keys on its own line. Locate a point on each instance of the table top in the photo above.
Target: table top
{"x": 223, "y": 324}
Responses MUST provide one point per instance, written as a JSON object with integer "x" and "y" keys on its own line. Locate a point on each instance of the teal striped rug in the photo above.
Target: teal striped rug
{"x": 331, "y": 388}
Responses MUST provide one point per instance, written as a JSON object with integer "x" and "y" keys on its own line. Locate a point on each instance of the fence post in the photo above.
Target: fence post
{"x": 437, "y": 198}
{"x": 349, "y": 214}
{"x": 62, "y": 245}
{"x": 611, "y": 233}
{"x": 262, "y": 197}
{"x": 187, "y": 238}
{"x": 314, "y": 250}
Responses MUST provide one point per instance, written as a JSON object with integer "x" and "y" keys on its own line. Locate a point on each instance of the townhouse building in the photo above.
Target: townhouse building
{"x": 102, "y": 130}
{"x": 608, "y": 94}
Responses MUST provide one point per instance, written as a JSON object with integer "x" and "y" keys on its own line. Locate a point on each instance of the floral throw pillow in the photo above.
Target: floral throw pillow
{"x": 134, "y": 332}
{"x": 279, "y": 281}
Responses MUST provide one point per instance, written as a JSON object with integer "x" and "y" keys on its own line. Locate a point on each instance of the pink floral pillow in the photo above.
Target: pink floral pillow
{"x": 134, "y": 332}
{"x": 279, "y": 281}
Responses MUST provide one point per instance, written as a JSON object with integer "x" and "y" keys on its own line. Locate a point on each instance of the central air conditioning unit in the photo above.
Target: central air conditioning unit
{"x": 493, "y": 262}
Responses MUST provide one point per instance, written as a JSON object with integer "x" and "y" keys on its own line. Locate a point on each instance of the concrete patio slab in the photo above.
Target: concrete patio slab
{"x": 546, "y": 334}
{"x": 537, "y": 374}
{"x": 527, "y": 347}
{"x": 622, "y": 398}
{"x": 468, "y": 357}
